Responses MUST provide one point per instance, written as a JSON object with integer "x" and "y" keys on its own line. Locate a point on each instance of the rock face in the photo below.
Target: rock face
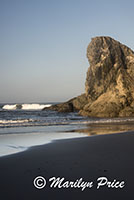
{"x": 109, "y": 87}
{"x": 110, "y": 79}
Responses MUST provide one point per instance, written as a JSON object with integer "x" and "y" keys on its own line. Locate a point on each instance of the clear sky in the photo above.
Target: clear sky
{"x": 43, "y": 44}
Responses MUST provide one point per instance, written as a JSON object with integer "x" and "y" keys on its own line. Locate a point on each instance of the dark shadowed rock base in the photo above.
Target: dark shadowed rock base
{"x": 72, "y": 105}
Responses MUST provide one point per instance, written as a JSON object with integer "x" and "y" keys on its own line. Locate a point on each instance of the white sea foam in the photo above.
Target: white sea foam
{"x": 103, "y": 121}
{"x": 16, "y": 121}
{"x": 25, "y": 106}
{"x": 34, "y": 106}
{"x": 9, "y": 107}
{"x": 41, "y": 122}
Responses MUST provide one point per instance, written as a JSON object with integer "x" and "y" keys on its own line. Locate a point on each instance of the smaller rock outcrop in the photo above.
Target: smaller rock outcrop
{"x": 72, "y": 105}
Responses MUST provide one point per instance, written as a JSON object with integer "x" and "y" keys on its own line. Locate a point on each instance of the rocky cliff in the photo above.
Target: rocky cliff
{"x": 109, "y": 87}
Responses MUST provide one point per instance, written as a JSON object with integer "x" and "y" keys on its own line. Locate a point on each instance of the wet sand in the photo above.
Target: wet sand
{"x": 110, "y": 156}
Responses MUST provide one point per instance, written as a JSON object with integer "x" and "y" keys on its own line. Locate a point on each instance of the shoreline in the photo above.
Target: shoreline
{"x": 108, "y": 155}
{"x": 16, "y": 143}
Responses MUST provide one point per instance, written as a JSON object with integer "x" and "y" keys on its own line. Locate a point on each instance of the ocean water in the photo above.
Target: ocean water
{"x": 26, "y": 115}
{"x": 26, "y": 125}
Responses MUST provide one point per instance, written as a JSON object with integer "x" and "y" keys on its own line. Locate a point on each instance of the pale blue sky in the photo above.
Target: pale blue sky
{"x": 43, "y": 44}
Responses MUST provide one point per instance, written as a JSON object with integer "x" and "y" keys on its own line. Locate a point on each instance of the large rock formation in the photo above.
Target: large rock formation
{"x": 110, "y": 79}
{"x": 109, "y": 88}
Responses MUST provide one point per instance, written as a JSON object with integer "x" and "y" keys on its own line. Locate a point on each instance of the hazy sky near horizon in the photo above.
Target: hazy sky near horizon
{"x": 43, "y": 44}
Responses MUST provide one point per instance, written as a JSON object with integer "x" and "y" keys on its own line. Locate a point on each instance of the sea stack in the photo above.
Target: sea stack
{"x": 109, "y": 87}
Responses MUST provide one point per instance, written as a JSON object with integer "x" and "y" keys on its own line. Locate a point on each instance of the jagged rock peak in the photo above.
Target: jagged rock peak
{"x": 106, "y": 56}
{"x": 111, "y": 75}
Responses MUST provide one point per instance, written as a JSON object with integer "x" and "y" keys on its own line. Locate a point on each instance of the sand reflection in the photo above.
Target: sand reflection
{"x": 106, "y": 128}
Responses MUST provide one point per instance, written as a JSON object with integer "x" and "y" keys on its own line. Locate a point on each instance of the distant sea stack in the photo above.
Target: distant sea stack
{"x": 109, "y": 87}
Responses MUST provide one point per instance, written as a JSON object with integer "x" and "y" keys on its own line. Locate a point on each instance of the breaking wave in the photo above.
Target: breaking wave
{"x": 15, "y": 121}
{"x": 49, "y": 121}
{"x": 25, "y": 106}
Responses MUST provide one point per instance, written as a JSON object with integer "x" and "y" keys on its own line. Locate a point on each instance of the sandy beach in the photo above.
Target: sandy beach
{"x": 89, "y": 158}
